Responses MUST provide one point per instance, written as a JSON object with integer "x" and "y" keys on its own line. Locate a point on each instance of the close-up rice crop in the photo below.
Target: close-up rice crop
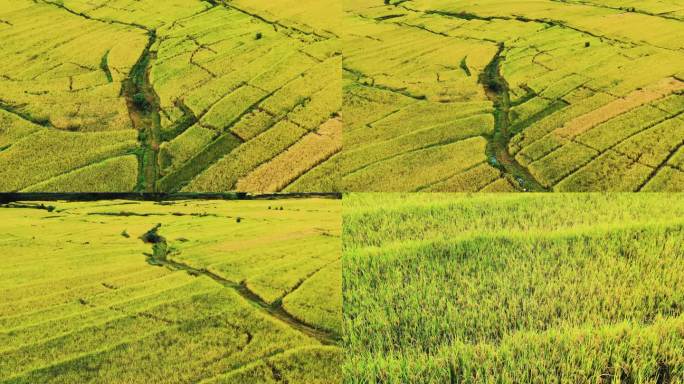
{"x": 511, "y": 288}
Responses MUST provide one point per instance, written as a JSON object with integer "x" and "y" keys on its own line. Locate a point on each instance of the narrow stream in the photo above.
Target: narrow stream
{"x": 143, "y": 108}
{"x": 160, "y": 256}
{"x": 496, "y": 88}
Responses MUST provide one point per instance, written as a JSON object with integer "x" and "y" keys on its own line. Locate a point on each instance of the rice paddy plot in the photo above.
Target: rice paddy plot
{"x": 510, "y": 288}
{"x": 60, "y": 104}
{"x": 207, "y": 95}
{"x": 568, "y": 86}
{"x": 173, "y": 292}
{"x": 241, "y": 86}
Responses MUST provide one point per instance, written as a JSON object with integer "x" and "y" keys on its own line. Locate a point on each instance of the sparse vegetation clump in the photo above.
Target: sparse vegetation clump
{"x": 141, "y": 102}
{"x": 152, "y": 236}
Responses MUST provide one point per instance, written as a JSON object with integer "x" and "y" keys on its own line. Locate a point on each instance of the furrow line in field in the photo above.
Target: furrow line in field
{"x": 662, "y": 165}
{"x": 427, "y": 187}
{"x": 625, "y": 9}
{"x": 612, "y": 148}
{"x": 88, "y": 354}
{"x": 319, "y": 163}
{"x": 16, "y": 111}
{"x": 235, "y": 367}
{"x": 413, "y": 150}
{"x": 548, "y": 22}
{"x": 110, "y": 315}
{"x": 276, "y": 24}
{"x": 303, "y": 280}
{"x": 399, "y": 91}
{"x": 74, "y": 358}
{"x": 88, "y": 17}
{"x": 573, "y": 232}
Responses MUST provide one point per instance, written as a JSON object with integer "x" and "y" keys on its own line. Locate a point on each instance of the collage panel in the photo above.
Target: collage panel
{"x": 181, "y": 95}
{"x": 513, "y": 288}
{"x": 504, "y": 96}
{"x": 175, "y": 291}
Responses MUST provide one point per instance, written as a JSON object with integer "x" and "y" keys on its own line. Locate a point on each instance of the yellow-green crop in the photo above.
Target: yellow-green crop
{"x": 513, "y": 288}
{"x": 580, "y": 95}
{"x": 208, "y": 94}
{"x": 173, "y": 292}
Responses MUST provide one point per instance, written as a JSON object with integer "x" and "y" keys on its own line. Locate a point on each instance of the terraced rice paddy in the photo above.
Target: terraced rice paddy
{"x": 432, "y": 95}
{"x": 179, "y": 292}
{"x": 118, "y": 95}
{"x": 512, "y": 288}
{"x": 562, "y": 95}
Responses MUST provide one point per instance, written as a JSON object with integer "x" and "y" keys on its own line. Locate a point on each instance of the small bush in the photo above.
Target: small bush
{"x": 258, "y": 36}
{"x": 48, "y": 208}
{"x": 151, "y": 236}
{"x": 140, "y": 101}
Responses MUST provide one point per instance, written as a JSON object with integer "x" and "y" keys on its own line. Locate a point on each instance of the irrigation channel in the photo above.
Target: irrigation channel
{"x": 143, "y": 107}
{"x": 141, "y": 100}
{"x": 496, "y": 88}
{"x": 160, "y": 256}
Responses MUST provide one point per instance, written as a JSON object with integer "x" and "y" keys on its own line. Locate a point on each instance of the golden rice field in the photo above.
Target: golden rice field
{"x": 176, "y": 292}
{"x": 546, "y": 95}
{"x": 564, "y": 288}
{"x": 120, "y": 95}
{"x": 311, "y": 96}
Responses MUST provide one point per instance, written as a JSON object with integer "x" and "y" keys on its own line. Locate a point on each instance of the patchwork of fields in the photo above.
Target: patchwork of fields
{"x": 252, "y": 96}
{"x": 513, "y": 288}
{"x": 119, "y": 95}
{"x": 563, "y": 95}
{"x": 178, "y": 292}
